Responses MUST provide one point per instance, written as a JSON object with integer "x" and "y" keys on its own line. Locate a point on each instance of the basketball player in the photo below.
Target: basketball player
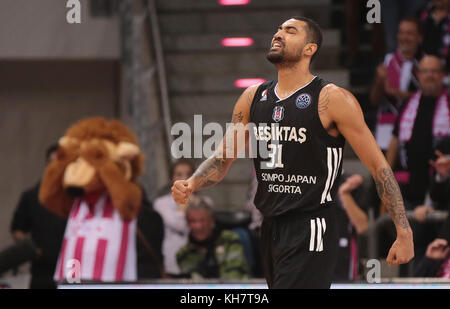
{"x": 306, "y": 120}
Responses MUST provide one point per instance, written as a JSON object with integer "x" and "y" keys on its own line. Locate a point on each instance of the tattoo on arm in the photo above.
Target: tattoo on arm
{"x": 389, "y": 193}
{"x": 246, "y": 97}
{"x": 210, "y": 172}
{"x": 324, "y": 101}
{"x": 237, "y": 117}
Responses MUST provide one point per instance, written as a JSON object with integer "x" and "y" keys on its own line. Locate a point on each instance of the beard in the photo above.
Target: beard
{"x": 281, "y": 58}
{"x": 275, "y": 57}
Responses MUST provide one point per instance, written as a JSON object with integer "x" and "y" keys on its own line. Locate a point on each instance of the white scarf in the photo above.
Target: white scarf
{"x": 441, "y": 118}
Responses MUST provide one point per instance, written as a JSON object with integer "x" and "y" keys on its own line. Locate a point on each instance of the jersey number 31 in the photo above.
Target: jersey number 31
{"x": 275, "y": 156}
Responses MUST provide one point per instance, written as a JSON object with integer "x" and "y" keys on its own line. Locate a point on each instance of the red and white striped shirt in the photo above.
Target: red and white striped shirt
{"x": 102, "y": 242}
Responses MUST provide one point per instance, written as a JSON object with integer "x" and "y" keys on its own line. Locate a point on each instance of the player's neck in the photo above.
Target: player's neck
{"x": 292, "y": 78}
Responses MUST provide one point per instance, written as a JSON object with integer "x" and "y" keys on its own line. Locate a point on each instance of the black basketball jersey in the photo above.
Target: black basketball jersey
{"x": 302, "y": 162}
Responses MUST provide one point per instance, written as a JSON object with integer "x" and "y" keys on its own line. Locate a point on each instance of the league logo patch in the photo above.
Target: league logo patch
{"x": 303, "y": 101}
{"x": 263, "y": 96}
{"x": 278, "y": 113}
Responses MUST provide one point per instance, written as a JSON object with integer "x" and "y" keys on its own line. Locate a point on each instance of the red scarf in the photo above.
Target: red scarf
{"x": 394, "y": 70}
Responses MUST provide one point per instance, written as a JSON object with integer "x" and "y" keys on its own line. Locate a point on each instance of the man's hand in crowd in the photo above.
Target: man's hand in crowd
{"x": 350, "y": 184}
{"x": 438, "y": 249}
{"x": 421, "y": 212}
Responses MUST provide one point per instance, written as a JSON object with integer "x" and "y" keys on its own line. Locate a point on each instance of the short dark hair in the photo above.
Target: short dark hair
{"x": 414, "y": 20}
{"x": 181, "y": 161}
{"x": 314, "y": 33}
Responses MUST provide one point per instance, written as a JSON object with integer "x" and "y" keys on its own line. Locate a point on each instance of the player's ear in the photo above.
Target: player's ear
{"x": 310, "y": 49}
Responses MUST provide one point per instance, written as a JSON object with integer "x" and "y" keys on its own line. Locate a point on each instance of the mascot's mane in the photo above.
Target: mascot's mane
{"x": 112, "y": 130}
{"x": 126, "y": 195}
{"x": 98, "y": 127}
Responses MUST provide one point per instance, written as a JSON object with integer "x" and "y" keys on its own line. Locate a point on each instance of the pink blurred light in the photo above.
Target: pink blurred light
{"x": 247, "y": 82}
{"x": 233, "y": 42}
{"x": 234, "y": 2}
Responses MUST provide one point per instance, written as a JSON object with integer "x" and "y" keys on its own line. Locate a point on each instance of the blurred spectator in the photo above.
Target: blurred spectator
{"x": 423, "y": 122}
{"x": 210, "y": 253}
{"x": 440, "y": 185}
{"x": 175, "y": 226}
{"x": 357, "y": 216}
{"x": 256, "y": 215}
{"x": 436, "y": 262}
{"x": 392, "y": 11}
{"x": 20, "y": 252}
{"x": 435, "y": 19}
{"x": 352, "y": 221}
{"x": 438, "y": 199}
{"x": 45, "y": 228}
{"x": 150, "y": 235}
{"x": 396, "y": 79}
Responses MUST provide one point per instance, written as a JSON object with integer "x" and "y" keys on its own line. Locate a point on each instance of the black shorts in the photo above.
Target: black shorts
{"x": 300, "y": 250}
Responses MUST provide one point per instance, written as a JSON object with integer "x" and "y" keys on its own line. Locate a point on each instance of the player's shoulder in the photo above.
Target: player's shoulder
{"x": 248, "y": 95}
{"x": 337, "y": 100}
{"x": 334, "y": 91}
{"x": 251, "y": 90}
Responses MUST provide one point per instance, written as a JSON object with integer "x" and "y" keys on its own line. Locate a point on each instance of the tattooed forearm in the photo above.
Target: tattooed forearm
{"x": 389, "y": 193}
{"x": 210, "y": 172}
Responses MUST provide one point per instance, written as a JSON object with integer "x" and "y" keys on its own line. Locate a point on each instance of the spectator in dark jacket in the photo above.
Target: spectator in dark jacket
{"x": 150, "y": 234}
{"x": 436, "y": 262}
{"x": 352, "y": 222}
{"x": 46, "y": 230}
{"x": 435, "y": 19}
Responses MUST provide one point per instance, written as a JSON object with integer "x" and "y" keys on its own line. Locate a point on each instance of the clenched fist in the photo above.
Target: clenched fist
{"x": 181, "y": 190}
{"x": 402, "y": 251}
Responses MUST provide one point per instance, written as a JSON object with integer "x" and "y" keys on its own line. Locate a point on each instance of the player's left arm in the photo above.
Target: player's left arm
{"x": 345, "y": 113}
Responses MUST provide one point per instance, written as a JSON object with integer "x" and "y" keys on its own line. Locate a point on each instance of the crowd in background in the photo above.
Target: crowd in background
{"x": 410, "y": 93}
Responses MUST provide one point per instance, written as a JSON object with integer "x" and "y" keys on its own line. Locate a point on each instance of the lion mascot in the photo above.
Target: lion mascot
{"x": 93, "y": 183}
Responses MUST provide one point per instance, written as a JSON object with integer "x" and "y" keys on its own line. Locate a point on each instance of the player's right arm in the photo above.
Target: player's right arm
{"x": 214, "y": 169}
{"x": 392, "y": 151}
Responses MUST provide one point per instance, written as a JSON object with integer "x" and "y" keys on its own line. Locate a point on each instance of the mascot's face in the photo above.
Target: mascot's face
{"x": 95, "y": 156}
{"x": 83, "y": 174}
